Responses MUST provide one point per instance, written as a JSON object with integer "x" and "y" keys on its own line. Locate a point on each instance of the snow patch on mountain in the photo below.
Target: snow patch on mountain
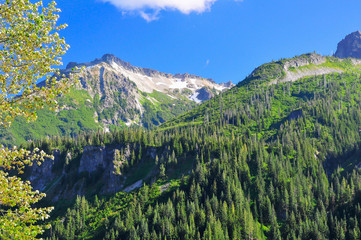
{"x": 194, "y": 98}
{"x": 148, "y": 80}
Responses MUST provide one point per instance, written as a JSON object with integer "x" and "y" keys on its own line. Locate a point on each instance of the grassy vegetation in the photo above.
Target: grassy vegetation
{"x": 159, "y": 107}
{"x": 79, "y": 112}
{"x": 77, "y": 117}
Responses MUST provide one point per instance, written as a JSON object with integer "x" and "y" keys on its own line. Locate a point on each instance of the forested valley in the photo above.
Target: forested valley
{"x": 260, "y": 161}
{"x": 107, "y": 150}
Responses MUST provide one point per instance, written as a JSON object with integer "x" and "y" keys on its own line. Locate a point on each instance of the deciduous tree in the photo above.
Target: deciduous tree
{"x": 30, "y": 47}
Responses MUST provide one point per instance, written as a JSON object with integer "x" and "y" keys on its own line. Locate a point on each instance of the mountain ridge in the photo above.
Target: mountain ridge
{"x": 283, "y": 71}
{"x": 292, "y": 69}
{"x": 110, "y": 76}
{"x": 109, "y": 58}
{"x": 112, "y": 93}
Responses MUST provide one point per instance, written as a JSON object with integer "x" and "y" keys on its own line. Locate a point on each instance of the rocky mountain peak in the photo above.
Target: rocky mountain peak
{"x": 106, "y": 58}
{"x": 125, "y": 94}
{"x": 147, "y": 80}
{"x": 227, "y": 84}
{"x": 109, "y": 57}
{"x": 350, "y": 46}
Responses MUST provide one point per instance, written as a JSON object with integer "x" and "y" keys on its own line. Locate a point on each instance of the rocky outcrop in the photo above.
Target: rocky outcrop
{"x": 292, "y": 76}
{"x": 350, "y": 46}
{"x": 304, "y": 60}
{"x": 205, "y": 94}
{"x": 91, "y": 172}
{"x": 227, "y": 84}
{"x": 304, "y": 66}
{"x": 92, "y": 159}
{"x": 42, "y": 175}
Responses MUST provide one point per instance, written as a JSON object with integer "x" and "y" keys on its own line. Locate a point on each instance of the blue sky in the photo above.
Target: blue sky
{"x": 225, "y": 40}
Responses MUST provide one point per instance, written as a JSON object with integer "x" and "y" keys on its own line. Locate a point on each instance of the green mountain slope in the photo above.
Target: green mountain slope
{"x": 112, "y": 93}
{"x": 268, "y": 159}
{"x": 78, "y": 116}
{"x": 81, "y": 113}
{"x": 263, "y": 84}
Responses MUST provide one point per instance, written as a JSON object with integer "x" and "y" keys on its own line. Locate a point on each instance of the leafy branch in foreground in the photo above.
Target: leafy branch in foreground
{"x": 30, "y": 47}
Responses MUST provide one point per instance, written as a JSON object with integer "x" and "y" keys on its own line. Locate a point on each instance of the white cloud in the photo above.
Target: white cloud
{"x": 150, "y": 16}
{"x": 184, "y": 6}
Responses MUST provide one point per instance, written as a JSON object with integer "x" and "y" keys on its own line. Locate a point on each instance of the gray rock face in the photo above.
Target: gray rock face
{"x": 304, "y": 60}
{"x": 350, "y": 46}
{"x": 227, "y": 84}
{"x": 205, "y": 94}
{"x": 92, "y": 159}
{"x": 112, "y": 92}
{"x": 94, "y": 174}
{"x": 42, "y": 175}
{"x": 293, "y": 67}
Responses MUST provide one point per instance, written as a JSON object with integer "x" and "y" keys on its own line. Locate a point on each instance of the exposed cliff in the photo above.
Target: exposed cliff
{"x": 350, "y": 46}
{"x": 94, "y": 170}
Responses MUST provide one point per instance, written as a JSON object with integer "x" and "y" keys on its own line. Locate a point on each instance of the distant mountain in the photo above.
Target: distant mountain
{"x": 113, "y": 93}
{"x": 146, "y": 80}
{"x": 291, "y": 70}
{"x": 124, "y": 94}
{"x": 350, "y": 46}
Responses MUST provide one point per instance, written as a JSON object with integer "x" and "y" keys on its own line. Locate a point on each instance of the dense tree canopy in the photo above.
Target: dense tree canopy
{"x": 264, "y": 162}
{"x": 261, "y": 161}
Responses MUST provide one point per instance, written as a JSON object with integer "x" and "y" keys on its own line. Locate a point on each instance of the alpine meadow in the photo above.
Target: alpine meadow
{"x": 104, "y": 149}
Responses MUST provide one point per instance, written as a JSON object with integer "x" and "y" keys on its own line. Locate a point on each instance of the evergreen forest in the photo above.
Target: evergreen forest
{"x": 262, "y": 160}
